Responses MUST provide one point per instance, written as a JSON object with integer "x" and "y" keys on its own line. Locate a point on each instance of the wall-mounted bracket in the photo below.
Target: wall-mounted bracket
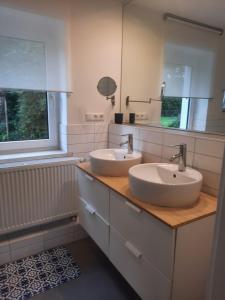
{"x": 112, "y": 98}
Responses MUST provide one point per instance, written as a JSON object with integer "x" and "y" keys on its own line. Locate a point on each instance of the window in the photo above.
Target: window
{"x": 24, "y": 116}
{"x": 175, "y": 109}
{"x": 28, "y": 117}
{"x": 33, "y": 65}
{"x": 171, "y": 112}
{"x": 188, "y": 77}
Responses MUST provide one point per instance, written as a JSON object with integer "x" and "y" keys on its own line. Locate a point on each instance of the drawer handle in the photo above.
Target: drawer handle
{"x": 133, "y": 250}
{"x": 90, "y": 209}
{"x": 135, "y": 208}
{"x": 89, "y": 177}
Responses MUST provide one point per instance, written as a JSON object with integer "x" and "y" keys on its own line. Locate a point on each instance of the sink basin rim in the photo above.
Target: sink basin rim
{"x": 113, "y": 162}
{"x": 160, "y": 190}
{"x": 188, "y": 171}
{"x": 129, "y": 156}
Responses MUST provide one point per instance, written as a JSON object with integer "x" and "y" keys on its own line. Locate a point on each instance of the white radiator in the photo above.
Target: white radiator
{"x": 31, "y": 195}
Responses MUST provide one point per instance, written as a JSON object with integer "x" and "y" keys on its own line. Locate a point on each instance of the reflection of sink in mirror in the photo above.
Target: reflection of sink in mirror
{"x": 185, "y": 57}
{"x": 113, "y": 162}
{"x": 163, "y": 185}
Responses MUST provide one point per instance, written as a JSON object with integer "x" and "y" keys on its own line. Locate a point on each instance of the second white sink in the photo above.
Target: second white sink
{"x": 163, "y": 185}
{"x": 113, "y": 162}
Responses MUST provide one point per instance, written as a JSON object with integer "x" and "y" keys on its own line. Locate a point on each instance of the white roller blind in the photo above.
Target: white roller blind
{"x": 22, "y": 63}
{"x": 189, "y": 60}
{"x": 32, "y": 51}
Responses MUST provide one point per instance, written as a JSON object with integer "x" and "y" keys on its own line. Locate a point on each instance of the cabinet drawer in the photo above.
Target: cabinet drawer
{"x": 154, "y": 239}
{"x": 95, "y": 225}
{"x": 146, "y": 280}
{"x": 94, "y": 193}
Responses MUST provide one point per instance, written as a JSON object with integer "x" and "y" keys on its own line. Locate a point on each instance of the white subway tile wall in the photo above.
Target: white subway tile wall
{"x": 30, "y": 244}
{"x": 84, "y": 138}
{"x": 205, "y": 151}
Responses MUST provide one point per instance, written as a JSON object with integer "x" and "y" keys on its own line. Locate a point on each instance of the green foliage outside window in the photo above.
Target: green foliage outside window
{"x": 23, "y": 116}
{"x": 170, "y": 112}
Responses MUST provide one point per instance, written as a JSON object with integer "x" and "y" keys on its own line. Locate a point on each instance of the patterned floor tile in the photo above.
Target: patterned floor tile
{"x": 36, "y": 274}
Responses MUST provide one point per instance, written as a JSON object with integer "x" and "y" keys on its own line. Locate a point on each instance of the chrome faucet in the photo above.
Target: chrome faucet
{"x": 129, "y": 142}
{"x": 182, "y": 155}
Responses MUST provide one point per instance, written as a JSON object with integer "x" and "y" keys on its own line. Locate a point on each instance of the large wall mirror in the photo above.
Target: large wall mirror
{"x": 173, "y": 71}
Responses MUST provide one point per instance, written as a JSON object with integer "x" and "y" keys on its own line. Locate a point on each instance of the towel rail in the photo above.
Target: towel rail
{"x": 128, "y": 100}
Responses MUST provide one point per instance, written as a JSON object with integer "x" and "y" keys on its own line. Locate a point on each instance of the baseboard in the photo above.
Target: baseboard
{"x": 29, "y": 242}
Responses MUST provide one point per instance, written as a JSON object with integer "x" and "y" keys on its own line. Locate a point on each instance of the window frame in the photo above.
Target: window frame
{"x": 21, "y": 24}
{"x": 52, "y": 143}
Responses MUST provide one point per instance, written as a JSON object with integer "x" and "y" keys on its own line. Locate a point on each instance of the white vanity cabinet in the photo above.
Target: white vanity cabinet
{"x": 154, "y": 239}
{"x": 94, "y": 209}
{"x": 176, "y": 259}
{"x": 145, "y": 279}
{"x": 159, "y": 261}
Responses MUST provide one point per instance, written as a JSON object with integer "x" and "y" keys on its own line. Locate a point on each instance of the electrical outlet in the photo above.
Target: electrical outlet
{"x": 94, "y": 117}
{"x": 141, "y": 116}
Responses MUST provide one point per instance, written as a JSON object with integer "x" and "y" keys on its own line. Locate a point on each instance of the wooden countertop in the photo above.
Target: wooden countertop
{"x": 173, "y": 217}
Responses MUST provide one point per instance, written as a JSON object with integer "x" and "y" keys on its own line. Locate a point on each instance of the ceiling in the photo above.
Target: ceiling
{"x": 211, "y": 12}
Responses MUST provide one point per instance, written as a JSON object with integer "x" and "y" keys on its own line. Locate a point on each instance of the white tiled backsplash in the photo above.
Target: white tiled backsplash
{"x": 205, "y": 151}
{"x": 84, "y": 138}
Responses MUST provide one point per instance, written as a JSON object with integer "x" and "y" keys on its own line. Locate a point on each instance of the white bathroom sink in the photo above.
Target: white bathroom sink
{"x": 163, "y": 185}
{"x": 113, "y": 162}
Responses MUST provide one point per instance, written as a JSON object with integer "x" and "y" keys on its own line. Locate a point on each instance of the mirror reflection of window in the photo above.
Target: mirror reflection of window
{"x": 178, "y": 82}
{"x": 189, "y": 58}
{"x": 188, "y": 71}
{"x": 178, "y": 79}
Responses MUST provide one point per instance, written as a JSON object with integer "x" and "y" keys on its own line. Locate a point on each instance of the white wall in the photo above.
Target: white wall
{"x": 142, "y": 60}
{"x": 96, "y": 42}
{"x": 96, "y": 38}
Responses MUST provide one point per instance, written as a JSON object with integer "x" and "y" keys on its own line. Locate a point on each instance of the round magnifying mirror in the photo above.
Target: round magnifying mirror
{"x": 107, "y": 87}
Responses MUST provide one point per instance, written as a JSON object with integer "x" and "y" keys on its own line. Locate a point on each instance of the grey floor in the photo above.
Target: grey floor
{"x": 99, "y": 279}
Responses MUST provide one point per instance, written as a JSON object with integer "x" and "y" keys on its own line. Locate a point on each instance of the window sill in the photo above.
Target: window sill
{"x": 21, "y": 158}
